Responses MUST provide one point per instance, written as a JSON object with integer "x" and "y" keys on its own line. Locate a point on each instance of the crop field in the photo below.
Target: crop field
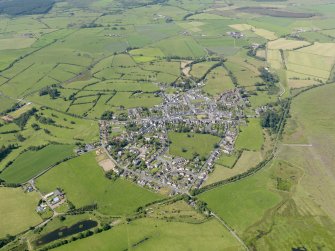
{"x": 269, "y": 35}
{"x": 31, "y": 163}
{"x": 251, "y": 136}
{"x": 286, "y": 44}
{"x": 305, "y": 66}
{"x": 187, "y": 144}
{"x": 313, "y": 65}
{"x": 148, "y": 234}
{"x": 15, "y": 216}
{"x": 83, "y": 175}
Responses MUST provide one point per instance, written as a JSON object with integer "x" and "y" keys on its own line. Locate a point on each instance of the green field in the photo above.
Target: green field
{"x": 246, "y": 161}
{"x": 75, "y": 60}
{"x": 282, "y": 192}
{"x": 227, "y": 160}
{"x": 31, "y": 163}
{"x": 217, "y": 82}
{"x": 17, "y": 210}
{"x": 243, "y": 203}
{"x": 149, "y": 234}
{"x": 251, "y": 136}
{"x": 186, "y": 144}
{"x": 83, "y": 175}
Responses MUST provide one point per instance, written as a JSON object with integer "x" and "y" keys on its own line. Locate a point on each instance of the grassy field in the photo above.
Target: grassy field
{"x": 17, "y": 210}
{"x": 282, "y": 193}
{"x": 199, "y": 70}
{"x": 247, "y": 160}
{"x": 311, "y": 123}
{"x": 251, "y": 136}
{"x": 83, "y": 175}
{"x": 186, "y": 144}
{"x": 115, "y": 55}
{"x": 128, "y": 100}
{"x": 234, "y": 202}
{"x": 31, "y": 163}
{"x": 5, "y": 103}
{"x": 149, "y": 234}
{"x": 16, "y": 43}
{"x": 227, "y": 160}
{"x": 217, "y": 82}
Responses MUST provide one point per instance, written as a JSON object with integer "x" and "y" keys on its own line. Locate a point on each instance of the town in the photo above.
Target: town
{"x": 140, "y": 144}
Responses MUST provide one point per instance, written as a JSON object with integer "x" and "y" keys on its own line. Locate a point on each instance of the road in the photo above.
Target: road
{"x": 231, "y": 231}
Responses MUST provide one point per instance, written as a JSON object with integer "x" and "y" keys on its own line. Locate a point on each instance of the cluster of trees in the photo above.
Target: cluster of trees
{"x": 44, "y": 120}
{"x": 6, "y": 240}
{"x": 270, "y": 119}
{"x": 268, "y": 77}
{"x": 112, "y": 175}
{"x": 5, "y": 150}
{"x": 81, "y": 210}
{"x": 51, "y": 90}
{"x": 118, "y": 145}
{"x": 107, "y": 115}
{"x": 22, "y": 120}
{"x": 90, "y": 25}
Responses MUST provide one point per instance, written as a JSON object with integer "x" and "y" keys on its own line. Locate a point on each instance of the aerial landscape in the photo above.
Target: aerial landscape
{"x": 167, "y": 125}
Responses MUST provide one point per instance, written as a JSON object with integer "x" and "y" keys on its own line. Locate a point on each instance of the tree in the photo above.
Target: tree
{"x": 270, "y": 119}
{"x": 107, "y": 115}
{"x": 35, "y": 126}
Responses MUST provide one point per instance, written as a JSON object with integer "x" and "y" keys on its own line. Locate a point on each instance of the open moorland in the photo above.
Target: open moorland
{"x": 167, "y": 125}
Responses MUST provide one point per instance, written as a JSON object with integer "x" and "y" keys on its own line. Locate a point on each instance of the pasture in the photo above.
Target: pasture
{"x": 217, "y": 82}
{"x": 31, "y": 163}
{"x": 246, "y": 161}
{"x": 17, "y": 210}
{"x": 251, "y": 136}
{"x": 187, "y": 144}
{"x": 148, "y": 234}
{"x": 228, "y": 160}
{"x": 242, "y": 203}
{"x": 83, "y": 175}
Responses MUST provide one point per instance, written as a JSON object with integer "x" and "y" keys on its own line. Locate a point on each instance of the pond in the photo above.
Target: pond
{"x": 66, "y": 231}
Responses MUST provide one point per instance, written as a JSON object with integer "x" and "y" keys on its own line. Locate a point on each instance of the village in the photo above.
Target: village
{"x": 139, "y": 146}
